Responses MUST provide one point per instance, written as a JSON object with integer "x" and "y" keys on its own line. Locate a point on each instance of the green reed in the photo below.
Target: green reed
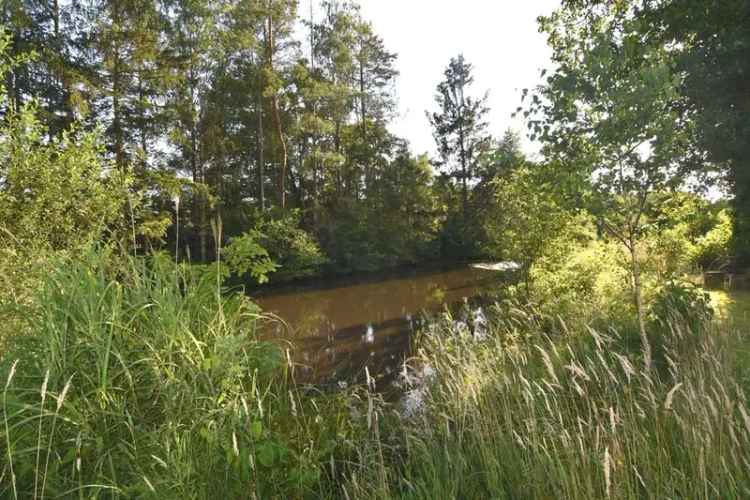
{"x": 530, "y": 414}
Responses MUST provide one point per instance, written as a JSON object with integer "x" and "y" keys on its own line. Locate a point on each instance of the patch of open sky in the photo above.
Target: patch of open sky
{"x": 501, "y": 40}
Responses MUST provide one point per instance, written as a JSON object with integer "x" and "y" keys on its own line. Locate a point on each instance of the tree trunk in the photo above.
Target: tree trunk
{"x": 143, "y": 133}
{"x": 56, "y": 20}
{"x": 276, "y": 115}
{"x": 260, "y": 136}
{"x": 199, "y": 174}
{"x": 363, "y": 111}
{"x": 638, "y": 299}
{"x": 117, "y": 131}
{"x": 313, "y": 135}
{"x": 464, "y": 188}
{"x": 117, "y": 113}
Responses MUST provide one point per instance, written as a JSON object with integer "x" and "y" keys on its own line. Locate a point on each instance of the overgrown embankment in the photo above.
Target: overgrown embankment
{"x": 138, "y": 378}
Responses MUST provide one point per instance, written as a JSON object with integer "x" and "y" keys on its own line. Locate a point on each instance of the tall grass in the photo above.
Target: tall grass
{"x": 571, "y": 416}
{"x": 141, "y": 379}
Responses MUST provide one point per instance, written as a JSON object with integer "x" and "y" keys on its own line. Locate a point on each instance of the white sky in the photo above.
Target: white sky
{"x": 499, "y": 37}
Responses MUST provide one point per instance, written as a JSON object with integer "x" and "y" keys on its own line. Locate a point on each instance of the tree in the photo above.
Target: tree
{"x": 213, "y": 106}
{"x": 375, "y": 74}
{"x": 524, "y": 215}
{"x": 712, "y": 47}
{"x": 488, "y": 204}
{"x": 608, "y": 112}
{"x": 57, "y": 194}
{"x": 458, "y": 126}
{"x": 280, "y": 15}
{"x": 193, "y": 38}
{"x": 57, "y": 33}
{"x": 709, "y": 44}
{"x": 131, "y": 72}
{"x": 504, "y": 156}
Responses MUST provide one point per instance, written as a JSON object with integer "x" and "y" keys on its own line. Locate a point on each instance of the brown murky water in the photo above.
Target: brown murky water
{"x": 337, "y": 331}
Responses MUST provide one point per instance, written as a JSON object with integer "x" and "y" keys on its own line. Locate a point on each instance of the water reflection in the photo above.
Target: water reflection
{"x": 338, "y": 330}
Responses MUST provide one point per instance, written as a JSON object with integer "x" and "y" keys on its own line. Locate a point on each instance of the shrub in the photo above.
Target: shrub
{"x": 278, "y": 246}
{"x": 583, "y": 282}
{"x": 57, "y": 195}
{"x": 679, "y": 302}
{"x": 713, "y": 249}
{"x": 295, "y": 251}
{"x": 245, "y": 255}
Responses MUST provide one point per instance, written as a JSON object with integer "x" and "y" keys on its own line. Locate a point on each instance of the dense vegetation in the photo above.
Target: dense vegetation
{"x": 219, "y": 111}
{"x": 156, "y": 155}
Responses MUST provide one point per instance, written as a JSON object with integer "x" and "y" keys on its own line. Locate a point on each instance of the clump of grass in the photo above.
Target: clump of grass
{"x": 140, "y": 378}
{"x": 526, "y": 414}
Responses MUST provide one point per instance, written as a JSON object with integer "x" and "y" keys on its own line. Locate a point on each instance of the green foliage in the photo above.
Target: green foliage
{"x": 710, "y": 48}
{"x": 681, "y": 303}
{"x": 293, "y": 250}
{"x": 684, "y": 233}
{"x": 610, "y": 112}
{"x": 278, "y": 246}
{"x": 524, "y": 217}
{"x": 399, "y": 225}
{"x": 458, "y": 126}
{"x": 245, "y": 255}
{"x": 402, "y": 221}
{"x": 713, "y": 249}
{"x": 583, "y": 282}
{"x": 58, "y": 194}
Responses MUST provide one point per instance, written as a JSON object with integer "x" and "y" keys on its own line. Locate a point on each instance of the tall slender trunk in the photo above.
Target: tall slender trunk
{"x": 363, "y": 112}
{"x": 638, "y": 299}
{"x": 117, "y": 112}
{"x": 11, "y": 84}
{"x": 199, "y": 174}
{"x": 302, "y": 151}
{"x": 340, "y": 188}
{"x": 117, "y": 90}
{"x": 464, "y": 175}
{"x": 56, "y": 18}
{"x": 276, "y": 114}
{"x": 61, "y": 72}
{"x": 260, "y": 139}
{"x": 143, "y": 133}
{"x": 313, "y": 135}
{"x": 362, "y": 104}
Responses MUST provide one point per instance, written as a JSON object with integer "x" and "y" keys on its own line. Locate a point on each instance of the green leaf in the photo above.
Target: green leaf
{"x": 266, "y": 454}
{"x": 256, "y": 429}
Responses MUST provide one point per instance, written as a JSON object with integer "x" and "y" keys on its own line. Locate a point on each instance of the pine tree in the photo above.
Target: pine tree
{"x": 459, "y": 128}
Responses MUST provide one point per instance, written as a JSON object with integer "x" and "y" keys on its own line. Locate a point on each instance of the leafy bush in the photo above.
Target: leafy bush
{"x": 713, "y": 249}
{"x": 526, "y": 216}
{"x": 57, "y": 195}
{"x": 679, "y": 302}
{"x": 245, "y": 255}
{"x": 278, "y": 246}
{"x": 294, "y": 250}
{"x": 582, "y": 280}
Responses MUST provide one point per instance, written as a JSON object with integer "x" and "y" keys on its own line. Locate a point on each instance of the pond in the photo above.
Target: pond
{"x": 336, "y": 330}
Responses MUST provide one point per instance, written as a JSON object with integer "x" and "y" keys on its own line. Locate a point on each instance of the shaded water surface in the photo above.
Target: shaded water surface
{"x": 337, "y": 331}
